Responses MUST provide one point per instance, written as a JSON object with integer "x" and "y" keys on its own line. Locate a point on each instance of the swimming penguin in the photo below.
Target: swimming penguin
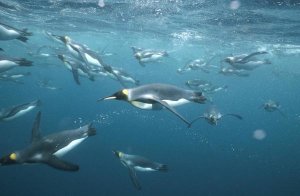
{"x": 158, "y": 96}
{"x": 227, "y": 71}
{"x": 46, "y": 83}
{"x": 213, "y": 116}
{"x": 13, "y": 112}
{"x": 8, "y": 33}
{"x": 124, "y": 76}
{"x": 13, "y": 77}
{"x": 246, "y": 61}
{"x": 7, "y": 63}
{"x": 83, "y": 53}
{"x": 197, "y": 64}
{"x": 272, "y": 106}
{"x": 77, "y": 68}
{"x": 137, "y": 163}
{"x": 147, "y": 55}
{"x": 48, "y": 149}
{"x": 204, "y": 86}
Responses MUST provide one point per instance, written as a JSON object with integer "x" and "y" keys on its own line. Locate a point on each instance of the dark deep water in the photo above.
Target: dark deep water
{"x": 204, "y": 160}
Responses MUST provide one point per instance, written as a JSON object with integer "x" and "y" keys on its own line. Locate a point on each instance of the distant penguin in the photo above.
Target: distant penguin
{"x": 137, "y": 163}
{"x": 13, "y": 77}
{"x": 246, "y": 61}
{"x": 147, "y": 55}
{"x": 7, "y": 63}
{"x": 271, "y": 106}
{"x": 124, "y": 76}
{"x": 8, "y": 33}
{"x": 76, "y": 67}
{"x": 83, "y": 53}
{"x": 13, "y": 112}
{"x": 48, "y": 149}
{"x": 213, "y": 116}
{"x": 158, "y": 96}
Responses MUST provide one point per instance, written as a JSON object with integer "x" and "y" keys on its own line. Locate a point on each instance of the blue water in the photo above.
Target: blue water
{"x": 204, "y": 160}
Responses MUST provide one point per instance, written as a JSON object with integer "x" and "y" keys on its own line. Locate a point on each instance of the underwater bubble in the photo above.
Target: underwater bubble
{"x": 101, "y": 3}
{"x": 234, "y": 5}
{"x": 259, "y": 134}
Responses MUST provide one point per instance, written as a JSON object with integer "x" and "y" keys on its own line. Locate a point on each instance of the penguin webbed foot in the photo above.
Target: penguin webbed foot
{"x": 22, "y": 39}
{"x": 91, "y": 130}
{"x": 24, "y": 62}
{"x": 163, "y": 168}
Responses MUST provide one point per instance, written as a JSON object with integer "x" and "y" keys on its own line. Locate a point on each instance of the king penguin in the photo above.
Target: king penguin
{"x": 138, "y": 163}
{"x": 83, "y": 53}
{"x": 157, "y": 96}
{"x": 13, "y": 112}
{"x": 7, "y": 63}
{"x": 48, "y": 149}
{"x": 8, "y": 33}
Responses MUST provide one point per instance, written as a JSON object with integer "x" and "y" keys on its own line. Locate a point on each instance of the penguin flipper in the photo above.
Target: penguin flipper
{"x": 35, "y": 133}
{"x": 234, "y": 115}
{"x": 133, "y": 178}
{"x": 199, "y": 117}
{"x": 56, "y": 163}
{"x": 75, "y": 75}
{"x": 252, "y": 55}
{"x": 171, "y": 109}
{"x": 282, "y": 114}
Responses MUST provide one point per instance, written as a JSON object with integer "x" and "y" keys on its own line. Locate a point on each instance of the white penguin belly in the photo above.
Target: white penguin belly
{"x": 143, "y": 169}
{"x": 72, "y": 51}
{"x": 20, "y": 113}
{"x": 6, "y": 34}
{"x": 92, "y": 60}
{"x": 176, "y": 103}
{"x": 7, "y": 65}
{"x": 61, "y": 152}
{"x": 141, "y": 105}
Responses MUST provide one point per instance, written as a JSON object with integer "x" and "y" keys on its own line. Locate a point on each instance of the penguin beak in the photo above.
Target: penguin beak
{"x": 116, "y": 153}
{"x": 6, "y": 160}
{"x": 107, "y": 98}
{"x": 61, "y": 57}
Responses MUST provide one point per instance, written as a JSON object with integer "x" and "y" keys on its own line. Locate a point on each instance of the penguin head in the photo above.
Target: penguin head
{"x": 212, "y": 119}
{"x": 64, "y": 39}
{"x": 138, "y": 55}
{"x": 9, "y": 159}
{"x": 120, "y": 95}
{"x": 229, "y": 60}
{"x": 117, "y": 153}
{"x": 61, "y": 57}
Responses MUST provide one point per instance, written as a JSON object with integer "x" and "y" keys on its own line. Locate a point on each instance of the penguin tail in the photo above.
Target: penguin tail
{"x": 137, "y": 82}
{"x": 91, "y": 130}
{"x": 24, "y": 62}
{"x": 198, "y": 97}
{"x": 26, "y": 33}
{"x": 22, "y": 39}
{"x": 267, "y": 61}
{"x": 38, "y": 102}
{"x": 162, "y": 168}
